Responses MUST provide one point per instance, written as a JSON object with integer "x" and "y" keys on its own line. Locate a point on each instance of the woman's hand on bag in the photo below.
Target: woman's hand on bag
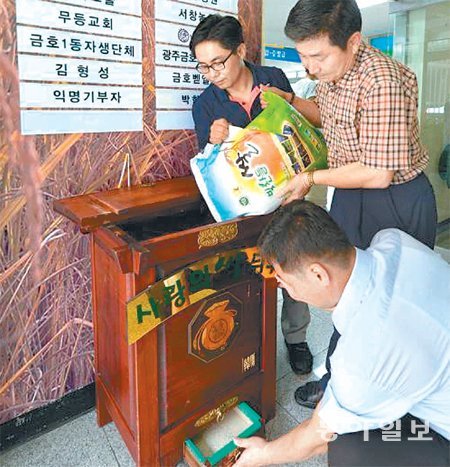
{"x": 219, "y": 131}
{"x": 285, "y": 95}
{"x": 297, "y": 188}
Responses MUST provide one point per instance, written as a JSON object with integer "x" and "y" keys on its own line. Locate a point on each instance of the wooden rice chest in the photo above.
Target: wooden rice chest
{"x": 172, "y": 357}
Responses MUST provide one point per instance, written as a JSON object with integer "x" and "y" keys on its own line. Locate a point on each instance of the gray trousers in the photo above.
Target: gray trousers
{"x": 295, "y": 317}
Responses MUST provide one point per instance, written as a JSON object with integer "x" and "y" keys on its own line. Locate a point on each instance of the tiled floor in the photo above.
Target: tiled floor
{"x": 80, "y": 443}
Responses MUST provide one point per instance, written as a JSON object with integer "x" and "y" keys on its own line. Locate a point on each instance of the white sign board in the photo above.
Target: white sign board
{"x": 52, "y": 15}
{"x": 58, "y": 69}
{"x": 173, "y": 55}
{"x": 167, "y": 10}
{"x": 176, "y": 34}
{"x": 80, "y": 121}
{"x": 224, "y": 6}
{"x": 80, "y": 54}
{"x": 73, "y": 44}
{"x": 117, "y": 6}
{"x": 179, "y": 78}
{"x": 174, "y": 120}
{"x": 176, "y": 98}
{"x": 54, "y": 96}
{"x": 178, "y": 84}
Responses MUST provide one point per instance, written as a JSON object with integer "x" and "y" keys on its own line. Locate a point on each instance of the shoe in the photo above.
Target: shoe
{"x": 309, "y": 394}
{"x": 300, "y": 358}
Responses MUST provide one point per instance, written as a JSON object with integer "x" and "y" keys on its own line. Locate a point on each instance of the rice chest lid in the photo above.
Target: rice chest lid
{"x": 93, "y": 210}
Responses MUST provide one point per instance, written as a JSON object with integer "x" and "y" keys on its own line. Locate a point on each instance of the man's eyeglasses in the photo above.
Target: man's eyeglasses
{"x": 217, "y": 66}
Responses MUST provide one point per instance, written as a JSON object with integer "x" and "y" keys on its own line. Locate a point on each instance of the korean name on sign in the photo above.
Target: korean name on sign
{"x": 166, "y": 10}
{"x": 57, "y": 69}
{"x": 176, "y": 98}
{"x": 179, "y": 78}
{"x": 119, "y": 6}
{"x": 171, "y": 295}
{"x": 81, "y": 19}
{"x": 53, "y": 15}
{"x": 83, "y": 44}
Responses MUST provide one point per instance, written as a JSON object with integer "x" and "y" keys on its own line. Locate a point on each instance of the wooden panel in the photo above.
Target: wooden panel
{"x": 186, "y": 380}
{"x": 115, "y": 413}
{"x": 183, "y": 247}
{"x": 147, "y": 399}
{"x": 112, "y": 350}
{"x": 157, "y": 197}
{"x": 269, "y": 337}
{"x": 95, "y": 209}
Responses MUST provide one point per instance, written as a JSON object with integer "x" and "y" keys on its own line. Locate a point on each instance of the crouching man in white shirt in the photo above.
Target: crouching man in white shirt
{"x": 388, "y": 399}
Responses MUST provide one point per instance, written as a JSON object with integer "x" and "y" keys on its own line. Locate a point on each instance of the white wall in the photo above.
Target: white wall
{"x": 275, "y": 13}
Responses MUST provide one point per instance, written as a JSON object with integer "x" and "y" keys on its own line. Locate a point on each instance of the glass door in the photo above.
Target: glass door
{"x": 421, "y": 40}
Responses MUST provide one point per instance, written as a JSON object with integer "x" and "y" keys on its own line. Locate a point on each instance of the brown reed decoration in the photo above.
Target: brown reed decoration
{"x": 46, "y": 339}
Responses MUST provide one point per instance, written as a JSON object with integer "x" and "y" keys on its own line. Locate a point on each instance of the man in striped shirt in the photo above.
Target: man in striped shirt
{"x": 367, "y": 107}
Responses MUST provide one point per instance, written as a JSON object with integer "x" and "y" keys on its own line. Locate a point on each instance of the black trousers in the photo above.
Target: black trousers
{"x": 391, "y": 447}
{"x": 410, "y": 207}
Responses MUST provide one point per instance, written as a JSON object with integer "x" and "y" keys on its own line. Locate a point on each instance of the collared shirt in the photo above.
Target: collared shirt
{"x": 215, "y": 103}
{"x": 247, "y": 106}
{"x": 370, "y": 116}
{"x": 393, "y": 356}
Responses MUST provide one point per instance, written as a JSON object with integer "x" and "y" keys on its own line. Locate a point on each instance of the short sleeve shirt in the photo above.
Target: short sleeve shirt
{"x": 370, "y": 116}
{"x": 215, "y": 103}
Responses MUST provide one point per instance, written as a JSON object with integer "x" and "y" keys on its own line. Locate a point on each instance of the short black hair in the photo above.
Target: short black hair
{"x": 338, "y": 19}
{"x": 302, "y": 230}
{"x": 226, "y": 30}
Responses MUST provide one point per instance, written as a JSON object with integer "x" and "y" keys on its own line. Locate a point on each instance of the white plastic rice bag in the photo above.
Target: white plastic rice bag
{"x": 240, "y": 176}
